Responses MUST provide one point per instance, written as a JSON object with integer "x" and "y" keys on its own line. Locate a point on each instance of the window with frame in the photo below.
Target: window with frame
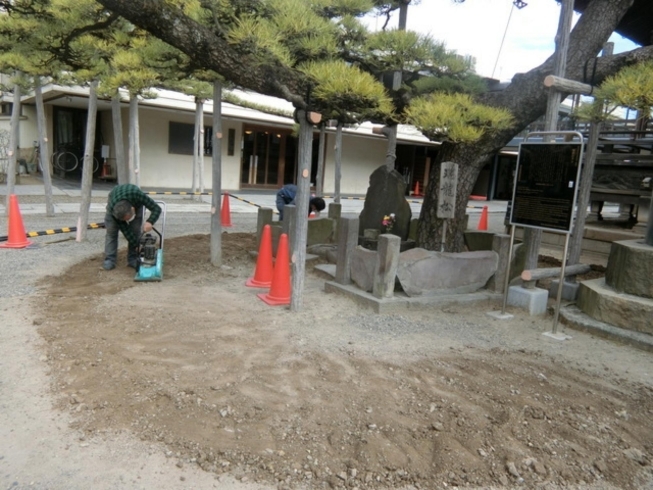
{"x": 7, "y": 107}
{"x": 182, "y": 135}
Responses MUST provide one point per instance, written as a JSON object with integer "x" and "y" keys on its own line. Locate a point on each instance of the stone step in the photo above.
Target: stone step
{"x": 602, "y": 303}
{"x": 573, "y": 317}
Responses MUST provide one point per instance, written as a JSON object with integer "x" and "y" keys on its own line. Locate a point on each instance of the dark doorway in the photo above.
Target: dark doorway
{"x": 69, "y": 129}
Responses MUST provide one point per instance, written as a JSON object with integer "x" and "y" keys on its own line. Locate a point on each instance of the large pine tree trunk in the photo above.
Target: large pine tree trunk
{"x": 429, "y": 229}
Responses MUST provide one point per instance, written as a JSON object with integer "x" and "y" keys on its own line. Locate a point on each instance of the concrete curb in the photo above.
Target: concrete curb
{"x": 573, "y": 317}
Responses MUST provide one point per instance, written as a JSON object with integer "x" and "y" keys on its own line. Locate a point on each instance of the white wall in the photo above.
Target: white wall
{"x": 172, "y": 171}
{"x": 360, "y": 157}
{"x": 27, "y": 128}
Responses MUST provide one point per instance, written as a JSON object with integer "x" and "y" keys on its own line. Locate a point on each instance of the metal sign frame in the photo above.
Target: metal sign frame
{"x": 543, "y": 190}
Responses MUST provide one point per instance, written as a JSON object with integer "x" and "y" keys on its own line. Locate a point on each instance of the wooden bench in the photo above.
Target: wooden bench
{"x": 621, "y": 196}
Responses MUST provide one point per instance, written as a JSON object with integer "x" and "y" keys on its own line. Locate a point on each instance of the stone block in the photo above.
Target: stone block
{"x": 363, "y": 263}
{"x": 320, "y": 230}
{"x": 264, "y": 217}
{"x": 422, "y": 272}
{"x": 412, "y": 230}
{"x": 569, "y": 290}
{"x": 597, "y": 300}
{"x": 630, "y": 268}
{"x": 385, "y": 269}
{"x": 478, "y": 240}
{"x": 347, "y": 240}
{"x": 532, "y": 300}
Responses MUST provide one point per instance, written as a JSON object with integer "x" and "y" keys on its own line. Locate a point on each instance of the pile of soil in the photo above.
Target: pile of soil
{"x": 331, "y": 396}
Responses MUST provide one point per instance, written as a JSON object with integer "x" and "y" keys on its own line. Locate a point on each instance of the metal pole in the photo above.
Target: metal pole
{"x": 506, "y": 282}
{"x": 560, "y": 285}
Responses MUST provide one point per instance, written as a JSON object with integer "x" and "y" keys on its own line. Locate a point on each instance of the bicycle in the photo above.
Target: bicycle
{"x": 67, "y": 161}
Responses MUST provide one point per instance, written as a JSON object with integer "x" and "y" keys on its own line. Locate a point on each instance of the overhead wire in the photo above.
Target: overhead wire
{"x": 505, "y": 31}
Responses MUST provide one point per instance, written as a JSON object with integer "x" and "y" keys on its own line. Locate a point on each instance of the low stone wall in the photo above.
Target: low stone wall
{"x": 421, "y": 272}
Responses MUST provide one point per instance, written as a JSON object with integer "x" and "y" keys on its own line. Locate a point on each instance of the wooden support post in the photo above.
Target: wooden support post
{"x": 570, "y": 86}
{"x": 533, "y": 236}
{"x": 570, "y": 270}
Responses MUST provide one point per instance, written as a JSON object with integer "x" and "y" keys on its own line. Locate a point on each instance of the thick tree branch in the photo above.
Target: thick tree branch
{"x": 215, "y": 53}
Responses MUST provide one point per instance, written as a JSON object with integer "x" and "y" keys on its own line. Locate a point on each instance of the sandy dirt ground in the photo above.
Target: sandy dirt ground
{"x": 217, "y": 388}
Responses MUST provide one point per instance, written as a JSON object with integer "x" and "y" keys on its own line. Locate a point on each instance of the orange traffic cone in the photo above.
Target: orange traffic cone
{"x": 280, "y": 289}
{"x": 17, "y": 236}
{"x": 225, "y": 213}
{"x": 416, "y": 189}
{"x": 264, "y": 271}
{"x": 482, "y": 224}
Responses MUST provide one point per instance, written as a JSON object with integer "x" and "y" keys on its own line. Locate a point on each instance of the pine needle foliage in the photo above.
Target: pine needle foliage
{"x": 343, "y": 8}
{"x": 258, "y": 37}
{"x": 631, "y": 87}
{"x": 455, "y": 117}
{"x": 345, "y": 91}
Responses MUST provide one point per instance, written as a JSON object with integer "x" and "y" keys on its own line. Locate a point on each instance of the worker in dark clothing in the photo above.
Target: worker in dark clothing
{"x": 125, "y": 214}
{"x": 286, "y": 195}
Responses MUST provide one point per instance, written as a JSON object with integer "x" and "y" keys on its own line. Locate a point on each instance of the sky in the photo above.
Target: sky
{"x": 477, "y": 27}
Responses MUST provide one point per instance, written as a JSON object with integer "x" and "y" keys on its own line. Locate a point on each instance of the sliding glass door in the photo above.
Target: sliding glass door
{"x": 263, "y": 157}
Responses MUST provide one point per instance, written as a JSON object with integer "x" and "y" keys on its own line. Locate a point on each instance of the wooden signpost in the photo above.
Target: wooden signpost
{"x": 447, "y": 196}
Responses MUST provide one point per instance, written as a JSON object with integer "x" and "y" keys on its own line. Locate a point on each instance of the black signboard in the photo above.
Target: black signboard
{"x": 546, "y": 181}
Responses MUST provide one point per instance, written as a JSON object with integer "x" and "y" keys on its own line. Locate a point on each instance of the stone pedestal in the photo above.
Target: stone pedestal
{"x": 624, "y": 298}
{"x": 533, "y": 300}
{"x": 569, "y": 290}
{"x": 630, "y": 268}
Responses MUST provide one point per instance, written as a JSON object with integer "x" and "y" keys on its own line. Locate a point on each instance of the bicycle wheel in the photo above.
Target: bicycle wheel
{"x": 96, "y": 165}
{"x": 67, "y": 161}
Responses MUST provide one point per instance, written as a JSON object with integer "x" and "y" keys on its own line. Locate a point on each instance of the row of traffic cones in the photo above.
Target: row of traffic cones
{"x": 17, "y": 238}
{"x": 277, "y": 276}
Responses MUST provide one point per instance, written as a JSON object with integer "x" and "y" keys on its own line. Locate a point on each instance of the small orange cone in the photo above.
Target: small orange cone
{"x": 225, "y": 213}
{"x": 264, "y": 271}
{"x": 416, "y": 189}
{"x": 482, "y": 224}
{"x": 280, "y": 289}
{"x": 17, "y": 236}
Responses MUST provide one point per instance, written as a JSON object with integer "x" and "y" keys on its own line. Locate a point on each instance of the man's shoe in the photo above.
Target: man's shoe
{"x": 108, "y": 265}
{"x": 134, "y": 265}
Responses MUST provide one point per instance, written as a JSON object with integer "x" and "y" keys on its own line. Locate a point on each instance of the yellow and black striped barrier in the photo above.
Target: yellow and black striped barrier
{"x": 244, "y": 200}
{"x": 184, "y": 193}
{"x": 181, "y": 193}
{"x": 71, "y": 229}
{"x": 344, "y": 197}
